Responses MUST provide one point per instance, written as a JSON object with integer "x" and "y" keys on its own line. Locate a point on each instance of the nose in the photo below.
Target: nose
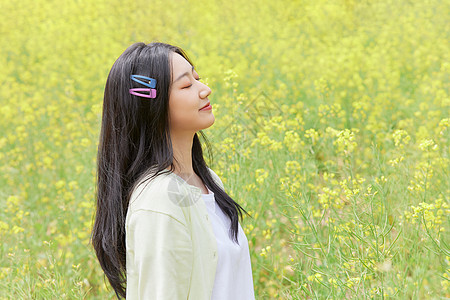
{"x": 205, "y": 92}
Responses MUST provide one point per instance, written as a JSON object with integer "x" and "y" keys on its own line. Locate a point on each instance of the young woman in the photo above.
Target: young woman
{"x": 164, "y": 228}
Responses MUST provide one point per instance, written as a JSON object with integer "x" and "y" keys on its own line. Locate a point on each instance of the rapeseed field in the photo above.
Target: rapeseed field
{"x": 332, "y": 130}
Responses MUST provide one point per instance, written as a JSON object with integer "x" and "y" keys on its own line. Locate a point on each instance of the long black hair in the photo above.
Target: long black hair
{"x": 135, "y": 139}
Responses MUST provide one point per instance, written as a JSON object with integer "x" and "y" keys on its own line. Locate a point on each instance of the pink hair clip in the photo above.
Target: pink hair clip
{"x": 151, "y": 94}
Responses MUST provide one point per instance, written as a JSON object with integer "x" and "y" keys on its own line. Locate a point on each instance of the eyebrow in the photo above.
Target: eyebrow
{"x": 184, "y": 74}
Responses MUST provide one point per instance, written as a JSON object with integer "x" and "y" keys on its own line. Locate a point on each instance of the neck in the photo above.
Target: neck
{"x": 182, "y": 152}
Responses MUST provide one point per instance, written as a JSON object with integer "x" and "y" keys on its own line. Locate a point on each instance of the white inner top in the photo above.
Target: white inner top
{"x": 233, "y": 278}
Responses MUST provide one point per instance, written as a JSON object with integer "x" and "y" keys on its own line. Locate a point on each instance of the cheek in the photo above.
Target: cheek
{"x": 182, "y": 111}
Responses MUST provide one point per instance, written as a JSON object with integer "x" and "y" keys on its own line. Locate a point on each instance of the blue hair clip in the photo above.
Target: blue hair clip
{"x": 151, "y": 83}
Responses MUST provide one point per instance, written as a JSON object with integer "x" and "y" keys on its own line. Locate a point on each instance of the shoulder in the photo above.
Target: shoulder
{"x": 216, "y": 177}
{"x": 167, "y": 194}
{"x": 155, "y": 194}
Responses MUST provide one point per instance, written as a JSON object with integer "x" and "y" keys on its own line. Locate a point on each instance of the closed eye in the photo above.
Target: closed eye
{"x": 191, "y": 84}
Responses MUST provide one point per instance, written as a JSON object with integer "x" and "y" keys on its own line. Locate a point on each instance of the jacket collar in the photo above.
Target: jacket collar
{"x": 196, "y": 190}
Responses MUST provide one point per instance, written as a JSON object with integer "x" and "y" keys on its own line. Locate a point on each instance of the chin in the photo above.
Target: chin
{"x": 210, "y": 123}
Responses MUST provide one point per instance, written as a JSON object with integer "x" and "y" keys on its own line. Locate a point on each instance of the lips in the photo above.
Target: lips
{"x": 205, "y": 105}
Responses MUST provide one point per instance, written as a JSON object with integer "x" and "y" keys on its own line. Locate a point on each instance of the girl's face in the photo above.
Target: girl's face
{"x": 187, "y": 96}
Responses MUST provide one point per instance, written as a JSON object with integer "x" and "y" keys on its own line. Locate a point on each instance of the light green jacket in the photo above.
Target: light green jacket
{"x": 171, "y": 247}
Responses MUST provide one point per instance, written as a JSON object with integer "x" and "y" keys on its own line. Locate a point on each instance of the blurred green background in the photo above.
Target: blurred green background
{"x": 331, "y": 130}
